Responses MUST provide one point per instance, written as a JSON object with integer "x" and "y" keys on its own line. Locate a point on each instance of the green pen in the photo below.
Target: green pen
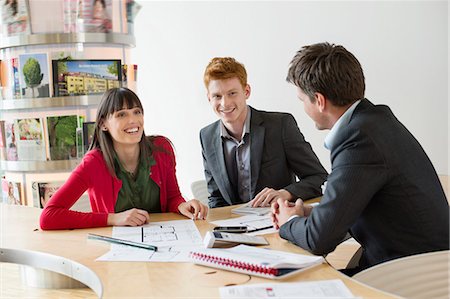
{"x": 122, "y": 241}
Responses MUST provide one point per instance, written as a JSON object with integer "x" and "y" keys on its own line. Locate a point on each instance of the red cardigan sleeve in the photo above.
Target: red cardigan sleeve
{"x": 56, "y": 214}
{"x": 165, "y": 157}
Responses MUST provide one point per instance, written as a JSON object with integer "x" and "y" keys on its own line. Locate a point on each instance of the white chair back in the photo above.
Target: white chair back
{"x": 200, "y": 191}
{"x": 418, "y": 276}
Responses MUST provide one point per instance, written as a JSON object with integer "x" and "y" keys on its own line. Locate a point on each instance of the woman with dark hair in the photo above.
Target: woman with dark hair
{"x": 14, "y": 16}
{"x": 100, "y": 16}
{"x": 127, "y": 174}
{"x": 11, "y": 7}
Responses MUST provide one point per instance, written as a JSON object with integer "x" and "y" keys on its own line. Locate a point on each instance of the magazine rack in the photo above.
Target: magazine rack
{"x": 30, "y": 161}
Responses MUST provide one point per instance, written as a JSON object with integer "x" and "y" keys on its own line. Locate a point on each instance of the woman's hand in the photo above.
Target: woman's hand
{"x": 132, "y": 217}
{"x": 193, "y": 209}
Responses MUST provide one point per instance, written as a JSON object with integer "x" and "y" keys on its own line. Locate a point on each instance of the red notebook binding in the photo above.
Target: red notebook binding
{"x": 255, "y": 261}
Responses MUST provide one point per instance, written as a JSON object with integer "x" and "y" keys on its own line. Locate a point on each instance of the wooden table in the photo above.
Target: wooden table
{"x": 20, "y": 230}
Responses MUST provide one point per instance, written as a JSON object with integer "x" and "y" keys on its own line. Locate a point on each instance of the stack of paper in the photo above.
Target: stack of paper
{"x": 247, "y": 209}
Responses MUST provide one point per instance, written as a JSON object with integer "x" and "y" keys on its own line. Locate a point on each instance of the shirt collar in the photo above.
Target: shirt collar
{"x": 341, "y": 123}
{"x": 144, "y": 164}
{"x": 246, "y": 130}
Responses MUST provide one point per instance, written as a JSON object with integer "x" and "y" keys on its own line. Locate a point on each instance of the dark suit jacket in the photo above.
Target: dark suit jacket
{"x": 382, "y": 188}
{"x": 278, "y": 153}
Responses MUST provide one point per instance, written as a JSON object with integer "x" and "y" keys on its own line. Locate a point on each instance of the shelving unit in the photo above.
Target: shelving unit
{"x": 67, "y": 38}
{"x": 88, "y": 102}
{"x": 51, "y": 102}
{"x": 79, "y": 45}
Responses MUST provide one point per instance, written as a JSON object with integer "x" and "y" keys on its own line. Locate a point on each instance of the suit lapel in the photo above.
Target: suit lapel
{"x": 256, "y": 148}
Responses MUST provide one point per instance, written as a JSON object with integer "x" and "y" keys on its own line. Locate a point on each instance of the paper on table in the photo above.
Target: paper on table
{"x": 174, "y": 239}
{"x": 247, "y": 209}
{"x": 312, "y": 289}
{"x": 251, "y": 221}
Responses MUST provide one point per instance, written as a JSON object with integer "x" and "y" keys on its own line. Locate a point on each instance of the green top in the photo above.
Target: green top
{"x": 138, "y": 191}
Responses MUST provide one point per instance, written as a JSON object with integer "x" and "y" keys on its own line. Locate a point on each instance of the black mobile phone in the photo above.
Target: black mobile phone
{"x": 231, "y": 229}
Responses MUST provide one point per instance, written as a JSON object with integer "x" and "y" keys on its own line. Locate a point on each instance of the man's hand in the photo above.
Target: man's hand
{"x": 268, "y": 195}
{"x": 282, "y": 210}
{"x": 131, "y": 217}
{"x": 193, "y": 209}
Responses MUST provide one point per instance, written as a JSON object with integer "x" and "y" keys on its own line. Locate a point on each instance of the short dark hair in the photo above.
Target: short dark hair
{"x": 330, "y": 70}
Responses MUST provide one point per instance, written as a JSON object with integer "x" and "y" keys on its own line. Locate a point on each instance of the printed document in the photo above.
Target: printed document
{"x": 174, "y": 239}
{"x": 312, "y": 289}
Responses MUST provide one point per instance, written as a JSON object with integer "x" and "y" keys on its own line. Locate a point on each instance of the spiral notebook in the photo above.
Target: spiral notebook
{"x": 255, "y": 261}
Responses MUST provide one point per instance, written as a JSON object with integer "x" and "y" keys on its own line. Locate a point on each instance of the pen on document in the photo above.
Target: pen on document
{"x": 258, "y": 229}
{"x": 142, "y": 234}
{"x": 123, "y": 242}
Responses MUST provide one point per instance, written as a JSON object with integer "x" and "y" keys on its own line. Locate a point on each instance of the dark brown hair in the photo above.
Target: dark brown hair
{"x": 103, "y": 3}
{"x": 13, "y": 6}
{"x": 328, "y": 69}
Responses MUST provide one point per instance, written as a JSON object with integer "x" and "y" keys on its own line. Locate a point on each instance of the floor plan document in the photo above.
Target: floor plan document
{"x": 174, "y": 239}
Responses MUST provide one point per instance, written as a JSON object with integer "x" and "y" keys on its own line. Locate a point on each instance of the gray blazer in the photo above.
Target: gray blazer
{"x": 383, "y": 189}
{"x": 278, "y": 153}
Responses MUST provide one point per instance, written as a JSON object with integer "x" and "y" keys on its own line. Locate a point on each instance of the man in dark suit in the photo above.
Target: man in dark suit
{"x": 383, "y": 188}
{"x": 250, "y": 154}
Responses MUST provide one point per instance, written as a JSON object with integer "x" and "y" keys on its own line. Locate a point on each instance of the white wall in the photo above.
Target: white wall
{"x": 402, "y": 46}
